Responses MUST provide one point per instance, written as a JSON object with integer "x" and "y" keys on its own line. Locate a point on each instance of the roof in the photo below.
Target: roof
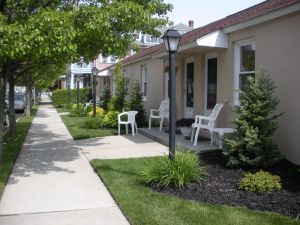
{"x": 236, "y": 18}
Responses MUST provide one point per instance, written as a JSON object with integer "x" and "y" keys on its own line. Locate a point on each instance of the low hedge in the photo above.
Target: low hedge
{"x": 60, "y": 96}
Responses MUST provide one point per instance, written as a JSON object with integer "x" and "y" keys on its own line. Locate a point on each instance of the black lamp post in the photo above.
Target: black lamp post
{"x": 94, "y": 72}
{"x": 171, "y": 40}
{"x": 77, "y": 83}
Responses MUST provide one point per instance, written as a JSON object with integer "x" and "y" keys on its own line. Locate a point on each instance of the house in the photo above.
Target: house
{"x": 215, "y": 60}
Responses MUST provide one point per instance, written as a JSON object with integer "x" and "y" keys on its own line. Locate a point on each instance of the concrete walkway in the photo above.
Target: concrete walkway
{"x": 53, "y": 182}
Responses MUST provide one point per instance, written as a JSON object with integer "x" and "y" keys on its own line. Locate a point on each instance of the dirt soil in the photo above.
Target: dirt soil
{"x": 220, "y": 187}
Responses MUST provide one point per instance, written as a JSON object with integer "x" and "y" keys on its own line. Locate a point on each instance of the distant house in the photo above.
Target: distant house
{"x": 215, "y": 60}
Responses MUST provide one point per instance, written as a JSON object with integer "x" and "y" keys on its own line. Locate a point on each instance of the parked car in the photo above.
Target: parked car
{"x": 20, "y": 102}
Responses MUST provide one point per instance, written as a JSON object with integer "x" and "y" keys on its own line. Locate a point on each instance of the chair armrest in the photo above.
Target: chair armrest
{"x": 121, "y": 114}
{"x": 198, "y": 119}
{"x": 153, "y": 111}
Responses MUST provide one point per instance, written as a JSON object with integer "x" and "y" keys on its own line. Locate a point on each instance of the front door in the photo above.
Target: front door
{"x": 211, "y": 85}
{"x": 189, "y": 91}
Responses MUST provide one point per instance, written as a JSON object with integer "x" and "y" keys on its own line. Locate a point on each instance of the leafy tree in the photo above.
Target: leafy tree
{"x": 118, "y": 101}
{"x": 105, "y": 98}
{"x": 136, "y": 103}
{"x": 253, "y": 143}
{"x": 52, "y": 31}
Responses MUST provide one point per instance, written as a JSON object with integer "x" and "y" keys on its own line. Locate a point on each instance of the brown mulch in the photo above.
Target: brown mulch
{"x": 220, "y": 187}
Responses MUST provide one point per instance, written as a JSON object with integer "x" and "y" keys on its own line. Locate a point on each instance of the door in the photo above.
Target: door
{"x": 211, "y": 84}
{"x": 189, "y": 91}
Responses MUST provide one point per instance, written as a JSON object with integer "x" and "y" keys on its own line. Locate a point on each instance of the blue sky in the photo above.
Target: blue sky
{"x": 204, "y": 12}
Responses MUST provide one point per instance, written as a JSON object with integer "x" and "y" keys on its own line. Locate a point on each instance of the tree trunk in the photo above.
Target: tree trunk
{"x": 28, "y": 96}
{"x": 11, "y": 113}
{"x": 2, "y": 114}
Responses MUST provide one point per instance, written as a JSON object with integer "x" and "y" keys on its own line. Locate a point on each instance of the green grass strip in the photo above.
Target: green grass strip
{"x": 74, "y": 126}
{"x": 12, "y": 147}
{"x": 141, "y": 205}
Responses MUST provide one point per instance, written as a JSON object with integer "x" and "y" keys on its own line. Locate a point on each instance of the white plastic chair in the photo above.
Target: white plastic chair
{"x": 161, "y": 113}
{"x": 130, "y": 120}
{"x": 205, "y": 122}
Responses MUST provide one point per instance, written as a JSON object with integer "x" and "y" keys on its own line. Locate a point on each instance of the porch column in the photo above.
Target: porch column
{"x": 72, "y": 81}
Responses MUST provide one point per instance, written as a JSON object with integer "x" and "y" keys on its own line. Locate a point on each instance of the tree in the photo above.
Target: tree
{"x": 253, "y": 143}
{"x": 41, "y": 32}
{"x": 118, "y": 100}
{"x": 105, "y": 98}
{"x": 136, "y": 103}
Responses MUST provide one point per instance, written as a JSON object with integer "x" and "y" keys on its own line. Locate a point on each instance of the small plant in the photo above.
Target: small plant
{"x": 105, "y": 98}
{"x": 185, "y": 168}
{"x": 77, "y": 112}
{"x": 93, "y": 122}
{"x": 99, "y": 112}
{"x": 261, "y": 181}
{"x": 111, "y": 119}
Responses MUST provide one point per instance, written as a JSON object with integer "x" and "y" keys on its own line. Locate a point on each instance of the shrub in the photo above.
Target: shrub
{"x": 76, "y": 112}
{"x": 93, "y": 122}
{"x": 111, "y": 119}
{"x": 118, "y": 101}
{"x": 136, "y": 104}
{"x": 253, "y": 143}
{"x": 261, "y": 181}
{"x": 60, "y": 96}
{"x": 185, "y": 168}
{"x": 105, "y": 98}
{"x": 99, "y": 111}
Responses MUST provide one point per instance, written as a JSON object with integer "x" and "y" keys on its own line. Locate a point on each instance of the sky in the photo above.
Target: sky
{"x": 204, "y": 12}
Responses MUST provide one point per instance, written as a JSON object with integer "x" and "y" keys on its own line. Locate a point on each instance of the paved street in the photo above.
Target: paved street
{"x": 53, "y": 182}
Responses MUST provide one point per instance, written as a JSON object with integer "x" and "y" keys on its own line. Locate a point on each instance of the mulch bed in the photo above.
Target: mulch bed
{"x": 220, "y": 187}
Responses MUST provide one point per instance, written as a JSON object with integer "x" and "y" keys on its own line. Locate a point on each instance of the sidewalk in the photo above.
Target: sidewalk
{"x": 53, "y": 182}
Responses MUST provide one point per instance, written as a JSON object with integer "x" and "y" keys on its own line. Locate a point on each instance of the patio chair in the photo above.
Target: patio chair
{"x": 205, "y": 122}
{"x": 130, "y": 120}
{"x": 161, "y": 113}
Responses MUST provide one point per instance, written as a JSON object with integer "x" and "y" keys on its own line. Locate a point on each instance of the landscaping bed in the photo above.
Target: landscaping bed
{"x": 220, "y": 187}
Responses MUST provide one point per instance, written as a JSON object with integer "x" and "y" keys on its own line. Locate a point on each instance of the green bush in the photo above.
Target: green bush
{"x": 60, "y": 96}
{"x": 261, "y": 181}
{"x": 185, "y": 168}
{"x": 105, "y": 98}
{"x": 253, "y": 143}
{"x": 111, "y": 119}
{"x": 136, "y": 104}
{"x": 76, "y": 112}
{"x": 92, "y": 122}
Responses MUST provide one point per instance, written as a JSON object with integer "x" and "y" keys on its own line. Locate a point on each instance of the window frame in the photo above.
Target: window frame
{"x": 237, "y": 66}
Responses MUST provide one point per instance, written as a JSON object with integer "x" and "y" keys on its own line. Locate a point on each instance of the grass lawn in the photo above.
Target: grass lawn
{"x": 143, "y": 206}
{"x": 12, "y": 147}
{"x": 77, "y": 132}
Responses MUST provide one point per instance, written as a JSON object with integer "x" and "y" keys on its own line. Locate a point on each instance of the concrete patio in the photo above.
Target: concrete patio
{"x": 162, "y": 137}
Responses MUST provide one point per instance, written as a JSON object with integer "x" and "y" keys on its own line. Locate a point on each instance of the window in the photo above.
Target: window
{"x": 104, "y": 59}
{"x": 144, "y": 80}
{"x": 113, "y": 59}
{"x": 244, "y": 65}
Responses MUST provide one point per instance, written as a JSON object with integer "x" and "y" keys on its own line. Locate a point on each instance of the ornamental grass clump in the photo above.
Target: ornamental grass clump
{"x": 185, "y": 168}
{"x": 260, "y": 182}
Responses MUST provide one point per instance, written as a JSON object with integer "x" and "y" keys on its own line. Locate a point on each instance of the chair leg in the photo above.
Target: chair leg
{"x": 193, "y": 133}
{"x": 126, "y": 125}
{"x": 161, "y": 123}
{"x": 119, "y": 129}
{"x": 196, "y": 136}
{"x": 136, "y": 131}
{"x": 211, "y": 138}
{"x": 132, "y": 128}
{"x": 150, "y": 123}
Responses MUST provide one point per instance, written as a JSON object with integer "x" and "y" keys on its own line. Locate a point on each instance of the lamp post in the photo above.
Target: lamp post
{"x": 94, "y": 72}
{"x": 77, "y": 84}
{"x": 171, "y": 40}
